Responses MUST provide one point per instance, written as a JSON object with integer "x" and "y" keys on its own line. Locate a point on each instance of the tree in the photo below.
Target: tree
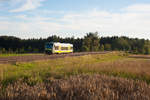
{"x": 22, "y": 50}
{"x": 17, "y": 50}
{"x": 102, "y": 47}
{"x": 122, "y": 44}
{"x": 0, "y": 50}
{"x": 10, "y": 50}
{"x": 3, "y": 50}
{"x": 91, "y": 42}
{"x": 107, "y": 47}
{"x": 86, "y": 46}
{"x": 30, "y": 49}
{"x": 35, "y": 50}
{"x": 135, "y": 50}
{"x": 147, "y": 49}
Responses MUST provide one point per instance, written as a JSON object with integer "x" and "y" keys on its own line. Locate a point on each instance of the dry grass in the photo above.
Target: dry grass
{"x": 81, "y": 87}
{"x": 139, "y": 67}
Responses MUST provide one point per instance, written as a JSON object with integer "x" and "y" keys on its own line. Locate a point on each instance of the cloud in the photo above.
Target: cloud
{"x": 28, "y": 5}
{"x": 4, "y": 0}
{"x": 106, "y": 22}
{"x": 29, "y": 27}
{"x": 138, "y": 8}
{"x": 130, "y": 22}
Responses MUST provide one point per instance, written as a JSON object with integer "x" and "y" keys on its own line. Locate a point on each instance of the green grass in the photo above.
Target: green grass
{"x": 27, "y": 54}
{"x": 113, "y": 64}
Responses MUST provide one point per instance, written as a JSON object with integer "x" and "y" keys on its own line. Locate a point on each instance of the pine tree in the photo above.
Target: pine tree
{"x": 147, "y": 50}
{"x": 3, "y": 50}
{"x": 22, "y": 50}
{"x": 107, "y": 47}
{"x": 102, "y": 47}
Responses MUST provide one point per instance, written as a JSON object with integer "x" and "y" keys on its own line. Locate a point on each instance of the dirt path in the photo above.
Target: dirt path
{"x": 14, "y": 59}
{"x": 140, "y": 56}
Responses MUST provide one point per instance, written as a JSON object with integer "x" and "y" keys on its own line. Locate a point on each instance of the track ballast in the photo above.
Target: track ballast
{"x": 29, "y": 58}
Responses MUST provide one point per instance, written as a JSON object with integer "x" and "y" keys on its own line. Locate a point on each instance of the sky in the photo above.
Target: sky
{"x": 74, "y": 18}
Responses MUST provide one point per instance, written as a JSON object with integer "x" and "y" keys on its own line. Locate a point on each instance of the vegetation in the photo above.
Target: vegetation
{"x": 80, "y": 87}
{"x": 91, "y": 42}
{"x": 113, "y": 64}
{"x": 13, "y": 54}
{"x": 57, "y": 68}
{"x": 84, "y": 77}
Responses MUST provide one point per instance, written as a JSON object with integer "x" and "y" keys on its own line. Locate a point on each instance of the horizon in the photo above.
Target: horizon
{"x": 72, "y": 37}
{"x": 28, "y": 19}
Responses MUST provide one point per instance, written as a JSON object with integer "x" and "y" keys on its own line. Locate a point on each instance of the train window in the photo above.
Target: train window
{"x": 71, "y": 48}
{"x": 56, "y": 47}
{"x": 64, "y": 48}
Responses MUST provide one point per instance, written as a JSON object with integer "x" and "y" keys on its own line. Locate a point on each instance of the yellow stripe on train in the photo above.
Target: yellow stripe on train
{"x": 62, "y": 51}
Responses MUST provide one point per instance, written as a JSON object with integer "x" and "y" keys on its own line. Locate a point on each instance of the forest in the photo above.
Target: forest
{"x": 90, "y": 42}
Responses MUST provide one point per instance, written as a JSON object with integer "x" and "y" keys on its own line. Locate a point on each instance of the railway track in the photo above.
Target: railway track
{"x": 14, "y": 59}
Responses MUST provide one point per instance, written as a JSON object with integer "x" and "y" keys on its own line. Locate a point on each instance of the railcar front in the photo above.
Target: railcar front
{"x": 49, "y": 47}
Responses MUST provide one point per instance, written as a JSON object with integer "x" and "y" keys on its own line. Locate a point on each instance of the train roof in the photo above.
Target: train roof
{"x": 62, "y": 44}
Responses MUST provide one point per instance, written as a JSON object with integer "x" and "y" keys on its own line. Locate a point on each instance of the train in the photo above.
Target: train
{"x": 58, "y": 48}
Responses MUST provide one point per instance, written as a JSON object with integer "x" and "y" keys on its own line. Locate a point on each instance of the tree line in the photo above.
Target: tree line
{"x": 90, "y": 42}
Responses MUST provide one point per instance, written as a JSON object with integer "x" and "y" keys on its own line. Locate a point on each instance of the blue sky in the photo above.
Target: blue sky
{"x": 67, "y": 18}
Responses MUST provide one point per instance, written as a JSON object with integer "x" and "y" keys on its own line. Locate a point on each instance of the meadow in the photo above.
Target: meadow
{"x": 13, "y": 54}
{"x": 99, "y": 76}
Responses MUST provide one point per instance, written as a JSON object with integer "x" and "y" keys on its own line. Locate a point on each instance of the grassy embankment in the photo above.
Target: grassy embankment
{"x": 113, "y": 64}
{"x": 13, "y": 54}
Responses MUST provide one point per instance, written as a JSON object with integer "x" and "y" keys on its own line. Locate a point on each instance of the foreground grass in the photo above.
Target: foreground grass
{"x": 26, "y": 54}
{"x": 112, "y": 64}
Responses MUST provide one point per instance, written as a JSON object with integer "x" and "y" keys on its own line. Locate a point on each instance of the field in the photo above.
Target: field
{"x": 13, "y": 58}
{"x": 111, "y": 76}
{"x": 12, "y": 55}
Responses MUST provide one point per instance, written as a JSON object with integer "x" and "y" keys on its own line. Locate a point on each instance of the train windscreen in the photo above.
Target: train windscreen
{"x": 49, "y": 45}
